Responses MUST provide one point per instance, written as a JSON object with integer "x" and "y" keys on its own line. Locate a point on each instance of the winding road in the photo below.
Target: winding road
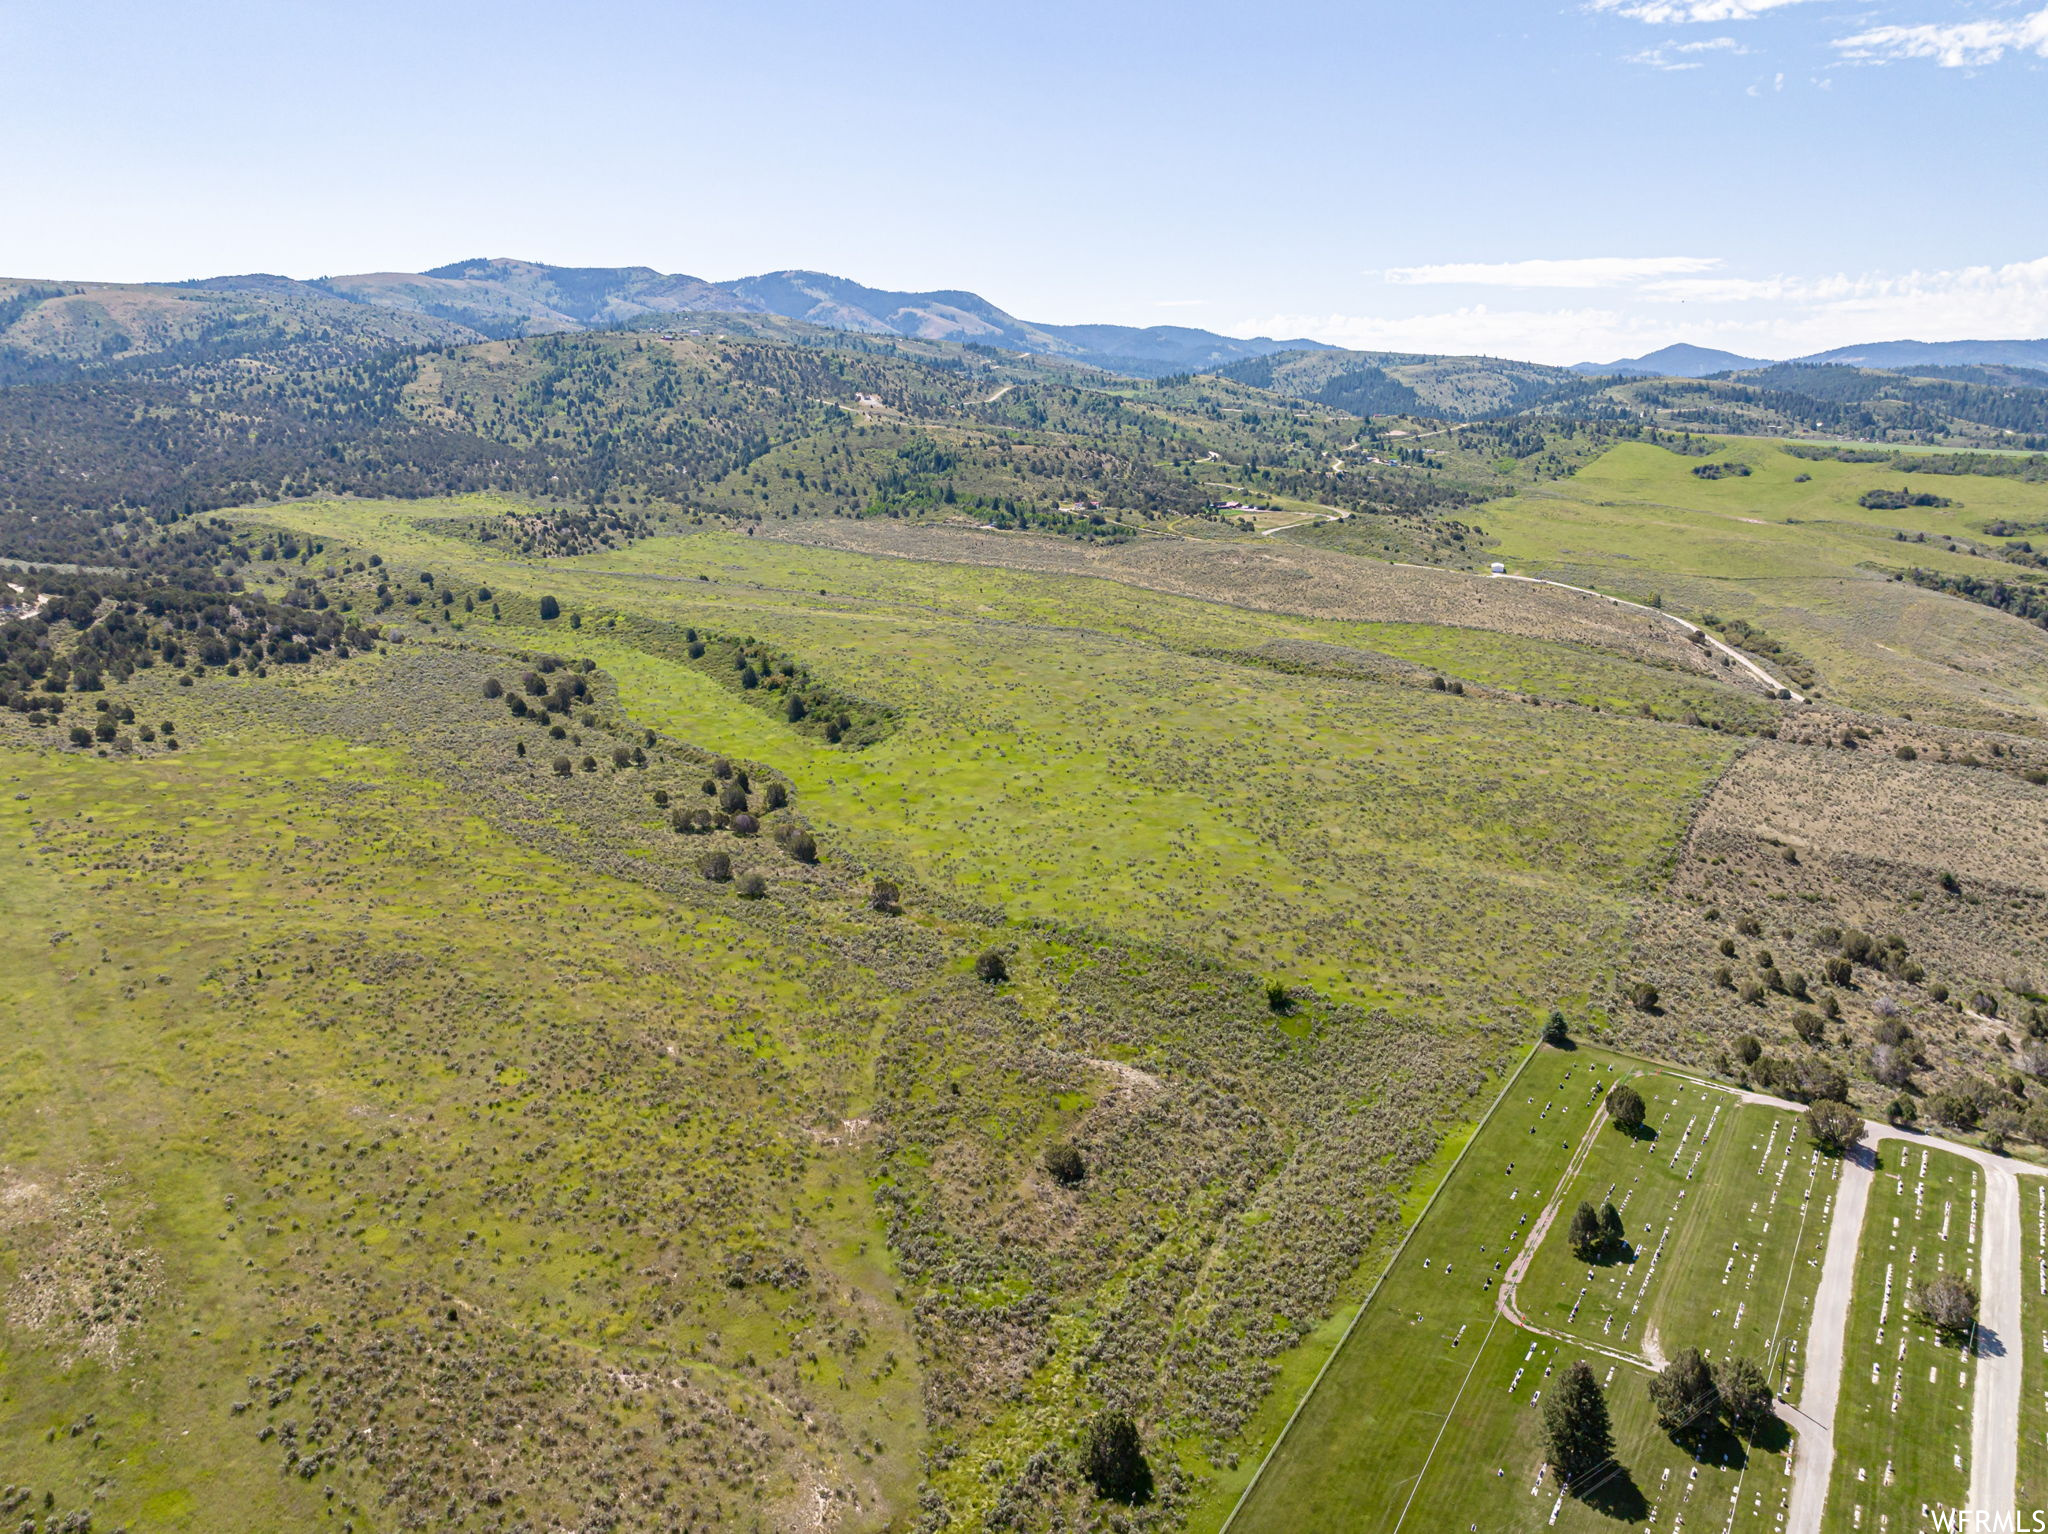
{"x": 1733, "y": 654}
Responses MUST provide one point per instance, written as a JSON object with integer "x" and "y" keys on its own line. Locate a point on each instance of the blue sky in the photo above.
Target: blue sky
{"x": 1556, "y": 181}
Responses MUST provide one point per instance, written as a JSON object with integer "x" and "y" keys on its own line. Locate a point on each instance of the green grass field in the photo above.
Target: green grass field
{"x": 1806, "y": 562}
{"x": 1725, "y": 1211}
{"x": 315, "y": 1068}
{"x": 1902, "y": 1423}
{"x": 488, "y": 1044}
{"x": 1427, "y": 1415}
{"x": 2033, "y": 1343}
{"x": 1065, "y": 756}
{"x": 452, "y": 1041}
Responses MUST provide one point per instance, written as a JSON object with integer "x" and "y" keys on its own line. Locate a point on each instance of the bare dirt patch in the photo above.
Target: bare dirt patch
{"x": 84, "y": 1284}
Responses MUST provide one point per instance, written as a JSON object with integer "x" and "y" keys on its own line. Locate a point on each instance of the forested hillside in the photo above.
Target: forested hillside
{"x": 54, "y": 331}
{"x": 682, "y": 420}
{"x": 1976, "y": 406}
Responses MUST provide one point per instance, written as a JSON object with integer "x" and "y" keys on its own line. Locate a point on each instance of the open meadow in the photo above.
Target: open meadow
{"x": 1073, "y": 749}
{"x": 791, "y": 1020}
{"x": 532, "y": 1099}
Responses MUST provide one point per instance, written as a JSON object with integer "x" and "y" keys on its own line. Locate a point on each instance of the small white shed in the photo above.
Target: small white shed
{"x": 1499, "y": 568}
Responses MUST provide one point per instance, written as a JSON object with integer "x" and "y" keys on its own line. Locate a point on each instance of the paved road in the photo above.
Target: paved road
{"x": 1822, "y": 1381}
{"x": 1994, "y": 1423}
{"x": 1994, "y": 1418}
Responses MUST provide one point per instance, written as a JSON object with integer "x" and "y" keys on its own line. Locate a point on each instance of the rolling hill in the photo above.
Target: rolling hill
{"x": 53, "y": 330}
{"x": 704, "y": 920}
{"x": 1680, "y": 361}
{"x": 1907, "y": 356}
{"x": 1414, "y": 384}
{"x": 1688, "y": 361}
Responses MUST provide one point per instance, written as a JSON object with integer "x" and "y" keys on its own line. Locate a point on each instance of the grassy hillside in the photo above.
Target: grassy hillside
{"x": 469, "y": 1016}
{"x": 733, "y": 926}
{"x": 1788, "y": 549}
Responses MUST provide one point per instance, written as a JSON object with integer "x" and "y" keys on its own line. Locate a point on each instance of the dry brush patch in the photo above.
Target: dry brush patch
{"x": 1878, "y": 917}
{"x": 82, "y": 1276}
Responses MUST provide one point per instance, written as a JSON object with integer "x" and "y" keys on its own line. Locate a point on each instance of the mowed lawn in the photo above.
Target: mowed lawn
{"x": 1902, "y": 1424}
{"x": 1725, "y": 1205}
{"x": 1429, "y": 1414}
{"x": 2033, "y": 1343}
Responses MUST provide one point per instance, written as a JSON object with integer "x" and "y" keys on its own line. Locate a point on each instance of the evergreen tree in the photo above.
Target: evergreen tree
{"x": 1745, "y": 1394}
{"x": 1625, "y": 1108}
{"x": 1113, "y": 1459}
{"x": 1584, "y": 1234}
{"x": 1578, "y": 1438}
{"x": 1611, "y": 1233}
{"x": 1687, "y": 1400}
{"x": 1834, "y": 1126}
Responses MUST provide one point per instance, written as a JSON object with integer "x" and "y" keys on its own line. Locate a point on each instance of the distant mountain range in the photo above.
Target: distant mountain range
{"x": 50, "y": 328}
{"x": 1685, "y": 361}
{"x": 54, "y": 329}
{"x": 1680, "y": 361}
{"x": 501, "y": 297}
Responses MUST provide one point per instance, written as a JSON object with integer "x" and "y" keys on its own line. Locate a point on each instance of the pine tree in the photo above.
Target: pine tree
{"x": 1685, "y": 1395}
{"x": 1113, "y": 1459}
{"x": 1745, "y": 1394}
{"x": 1578, "y": 1439}
{"x": 1611, "y": 1233}
{"x": 1584, "y": 1234}
{"x": 1625, "y": 1108}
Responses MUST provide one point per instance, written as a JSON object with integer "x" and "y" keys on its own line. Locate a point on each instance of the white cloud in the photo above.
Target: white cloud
{"x": 1952, "y": 45}
{"x": 1717, "y": 290}
{"x": 1664, "y": 13}
{"x": 1676, "y": 56}
{"x": 1577, "y": 272}
{"x": 1178, "y": 303}
{"x": 1783, "y": 316}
